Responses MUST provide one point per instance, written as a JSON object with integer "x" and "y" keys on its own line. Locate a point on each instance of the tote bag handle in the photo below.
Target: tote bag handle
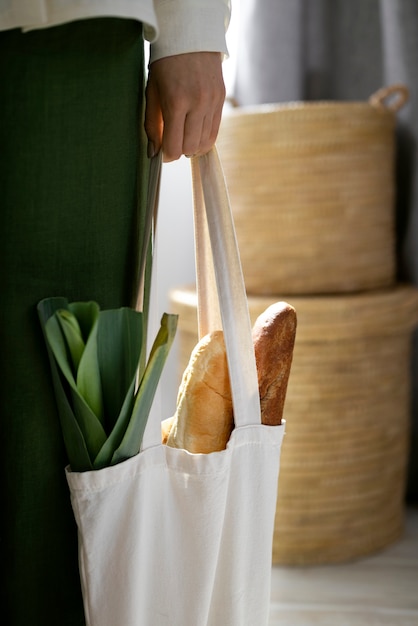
{"x": 222, "y": 299}
{"x": 220, "y": 284}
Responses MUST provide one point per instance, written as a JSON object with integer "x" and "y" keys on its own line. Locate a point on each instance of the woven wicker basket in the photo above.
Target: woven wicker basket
{"x": 342, "y": 476}
{"x": 312, "y": 191}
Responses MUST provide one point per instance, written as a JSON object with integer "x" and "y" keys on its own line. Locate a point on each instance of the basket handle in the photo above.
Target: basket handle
{"x": 392, "y": 98}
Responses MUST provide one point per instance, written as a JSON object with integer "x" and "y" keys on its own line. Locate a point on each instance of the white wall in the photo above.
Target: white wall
{"x": 175, "y": 256}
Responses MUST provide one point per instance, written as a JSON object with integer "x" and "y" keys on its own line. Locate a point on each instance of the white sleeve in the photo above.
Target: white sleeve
{"x": 189, "y": 26}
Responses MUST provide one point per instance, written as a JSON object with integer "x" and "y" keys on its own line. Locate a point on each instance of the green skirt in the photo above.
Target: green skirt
{"x": 71, "y": 146}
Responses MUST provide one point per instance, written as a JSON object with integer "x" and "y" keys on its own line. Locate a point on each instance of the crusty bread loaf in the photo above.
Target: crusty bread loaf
{"x": 203, "y": 421}
{"x": 274, "y": 334}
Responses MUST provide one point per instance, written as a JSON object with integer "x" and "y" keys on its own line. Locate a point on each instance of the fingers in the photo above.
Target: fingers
{"x": 193, "y": 137}
{"x": 200, "y": 131}
{"x": 185, "y": 96}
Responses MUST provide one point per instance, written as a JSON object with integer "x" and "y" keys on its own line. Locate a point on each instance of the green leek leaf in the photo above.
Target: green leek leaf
{"x": 98, "y": 381}
{"x": 72, "y": 333}
{"x": 132, "y": 439}
{"x": 77, "y": 452}
{"x": 86, "y": 314}
{"x": 89, "y": 424}
{"x": 119, "y": 344}
{"x": 104, "y": 457}
{"x": 78, "y": 455}
{"x": 88, "y": 376}
{"x": 84, "y": 353}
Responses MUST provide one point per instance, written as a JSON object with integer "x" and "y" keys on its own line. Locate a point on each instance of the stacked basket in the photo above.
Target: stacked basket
{"x": 312, "y": 191}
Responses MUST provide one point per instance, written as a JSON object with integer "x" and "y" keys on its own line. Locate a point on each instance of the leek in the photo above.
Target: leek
{"x": 96, "y": 358}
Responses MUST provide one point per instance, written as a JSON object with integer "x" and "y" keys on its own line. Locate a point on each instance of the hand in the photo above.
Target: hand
{"x": 184, "y": 99}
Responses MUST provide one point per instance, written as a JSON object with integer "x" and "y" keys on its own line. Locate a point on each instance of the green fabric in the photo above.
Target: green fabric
{"x": 71, "y": 148}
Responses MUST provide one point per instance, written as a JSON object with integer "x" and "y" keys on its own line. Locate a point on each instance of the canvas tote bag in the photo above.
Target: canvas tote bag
{"x": 169, "y": 538}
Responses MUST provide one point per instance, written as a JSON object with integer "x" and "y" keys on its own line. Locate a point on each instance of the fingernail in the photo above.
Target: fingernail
{"x": 150, "y": 150}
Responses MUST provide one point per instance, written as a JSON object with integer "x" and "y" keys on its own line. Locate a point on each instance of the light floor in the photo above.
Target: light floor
{"x": 381, "y": 590}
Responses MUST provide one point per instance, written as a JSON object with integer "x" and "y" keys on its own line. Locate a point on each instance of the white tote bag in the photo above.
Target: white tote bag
{"x": 169, "y": 538}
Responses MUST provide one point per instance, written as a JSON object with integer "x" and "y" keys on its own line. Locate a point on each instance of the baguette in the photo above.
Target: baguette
{"x": 274, "y": 335}
{"x": 203, "y": 421}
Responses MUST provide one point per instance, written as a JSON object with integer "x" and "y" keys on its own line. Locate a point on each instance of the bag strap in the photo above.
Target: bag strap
{"x": 222, "y": 300}
{"x": 216, "y": 247}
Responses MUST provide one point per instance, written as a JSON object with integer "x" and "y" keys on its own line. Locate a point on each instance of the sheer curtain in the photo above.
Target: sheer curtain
{"x": 334, "y": 49}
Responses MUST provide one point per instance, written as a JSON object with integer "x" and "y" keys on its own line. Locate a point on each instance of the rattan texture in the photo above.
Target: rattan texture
{"x": 312, "y": 190}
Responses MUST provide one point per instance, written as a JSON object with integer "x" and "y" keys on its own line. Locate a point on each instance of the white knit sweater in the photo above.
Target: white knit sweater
{"x": 172, "y": 26}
